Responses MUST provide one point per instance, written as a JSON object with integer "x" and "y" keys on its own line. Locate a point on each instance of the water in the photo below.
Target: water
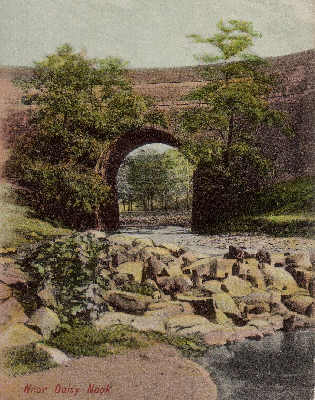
{"x": 278, "y": 367}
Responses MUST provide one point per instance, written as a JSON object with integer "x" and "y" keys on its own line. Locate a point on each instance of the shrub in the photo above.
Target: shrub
{"x": 27, "y": 359}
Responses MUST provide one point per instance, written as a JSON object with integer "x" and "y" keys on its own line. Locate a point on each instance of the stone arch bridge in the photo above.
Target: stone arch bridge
{"x": 167, "y": 86}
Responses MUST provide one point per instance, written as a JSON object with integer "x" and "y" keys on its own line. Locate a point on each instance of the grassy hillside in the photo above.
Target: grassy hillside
{"x": 18, "y": 225}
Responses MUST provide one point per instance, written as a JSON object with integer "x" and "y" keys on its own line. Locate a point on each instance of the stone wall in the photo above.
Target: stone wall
{"x": 293, "y": 156}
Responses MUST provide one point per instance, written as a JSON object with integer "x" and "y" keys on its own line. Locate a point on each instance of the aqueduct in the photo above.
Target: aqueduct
{"x": 167, "y": 87}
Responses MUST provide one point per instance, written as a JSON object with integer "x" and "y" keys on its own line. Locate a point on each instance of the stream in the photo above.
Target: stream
{"x": 278, "y": 367}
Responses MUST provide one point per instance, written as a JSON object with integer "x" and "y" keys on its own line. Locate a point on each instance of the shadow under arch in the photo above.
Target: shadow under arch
{"x": 112, "y": 159}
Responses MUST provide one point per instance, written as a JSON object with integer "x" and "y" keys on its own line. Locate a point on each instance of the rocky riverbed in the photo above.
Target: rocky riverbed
{"x": 219, "y": 244}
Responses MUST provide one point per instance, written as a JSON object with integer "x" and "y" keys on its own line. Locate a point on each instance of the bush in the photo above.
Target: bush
{"x": 27, "y": 359}
{"x": 69, "y": 265}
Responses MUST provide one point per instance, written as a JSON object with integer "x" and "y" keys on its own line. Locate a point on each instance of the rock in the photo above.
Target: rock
{"x": 168, "y": 309}
{"x": 188, "y": 258}
{"x": 121, "y": 240}
{"x": 263, "y": 256}
{"x": 224, "y": 267}
{"x": 175, "y": 250}
{"x": 134, "y": 269}
{"x": 277, "y": 260}
{"x": 212, "y": 287}
{"x": 18, "y": 335}
{"x": 160, "y": 253}
{"x": 236, "y": 286}
{"x": 143, "y": 242}
{"x": 240, "y": 333}
{"x": 225, "y": 303}
{"x": 301, "y": 260}
{"x": 297, "y": 321}
{"x": 280, "y": 279}
{"x": 56, "y": 355}
{"x": 149, "y": 323}
{"x": 188, "y": 324}
{"x": 151, "y": 283}
{"x": 5, "y": 292}
{"x": 249, "y": 270}
{"x": 311, "y": 287}
{"x": 202, "y": 270}
{"x": 183, "y": 283}
{"x": 10, "y": 274}
{"x": 238, "y": 253}
{"x": 264, "y": 326}
{"x": 258, "y": 302}
{"x": 134, "y": 254}
{"x": 113, "y": 318}
{"x": 45, "y": 320}
{"x": 301, "y": 276}
{"x": 99, "y": 235}
{"x": 11, "y": 312}
{"x": 276, "y": 322}
{"x": 173, "y": 269}
{"x": 116, "y": 255}
{"x": 301, "y": 304}
{"x": 217, "y": 335}
{"x": 142, "y": 323}
{"x": 47, "y": 295}
{"x": 126, "y": 301}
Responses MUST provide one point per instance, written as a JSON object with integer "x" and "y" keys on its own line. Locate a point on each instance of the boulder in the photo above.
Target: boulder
{"x": 10, "y": 274}
{"x": 121, "y": 240}
{"x": 297, "y": 321}
{"x": 264, "y": 326}
{"x": 224, "y": 267}
{"x": 202, "y": 270}
{"x": 113, "y": 318}
{"x": 280, "y": 279}
{"x": 18, "y": 335}
{"x": 212, "y": 287}
{"x": 11, "y": 312}
{"x": 249, "y": 270}
{"x": 142, "y": 323}
{"x": 240, "y": 333}
{"x": 168, "y": 309}
{"x": 175, "y": 250}
{"x": 160, "y": 253}
{"x": 301, "y": 304}
{"x": 237, "y": 253}
{"x": 225, "y": 303}
{"x": 188, "y": 258}
{"x": 127, "y": 301}
{"x": 45, "y": 320}
{"x": 277, "y": 260}
{"x": 47, "y": 295}
{"x": 217, "y": 335}
{"x": 134, "y": 254}
{"x": 301, "y": 260}
{"x": 258, "y": 302}
{"x": 301, "y": 276}
{"x": 189, "y": 324}
{"x": 56, "y": 355}
{"x": 5, "y": 292}
{"x": 311, "y": 287}
{"x": 143, "y": 242}
{"x": 236, "y": 286}
{"x": 116, "y": 256}
{"x": 134, "y": 269}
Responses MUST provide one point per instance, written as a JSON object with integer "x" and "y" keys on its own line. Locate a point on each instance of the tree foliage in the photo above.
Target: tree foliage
{"x": 78, "y": 105}
{"x": 230, "y": 111}
{"x": 153, "y": 179}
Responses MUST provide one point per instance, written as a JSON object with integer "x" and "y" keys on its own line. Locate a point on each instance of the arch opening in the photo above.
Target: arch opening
{"x": 115, "y": 156}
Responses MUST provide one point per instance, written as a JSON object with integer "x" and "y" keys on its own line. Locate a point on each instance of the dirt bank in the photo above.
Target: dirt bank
{"x": 157, "y": 373}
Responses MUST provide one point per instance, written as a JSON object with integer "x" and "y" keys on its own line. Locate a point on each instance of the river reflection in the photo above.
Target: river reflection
{"x": 278, "y": 367}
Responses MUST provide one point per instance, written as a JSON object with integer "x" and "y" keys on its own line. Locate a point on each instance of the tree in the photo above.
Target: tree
{"x": 78, "y": 106}
{"x": 155, "y": 179}
{"x": 231, "y": 109}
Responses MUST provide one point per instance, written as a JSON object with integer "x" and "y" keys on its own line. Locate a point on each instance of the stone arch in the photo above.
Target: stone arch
{"x": 108, "y": 218}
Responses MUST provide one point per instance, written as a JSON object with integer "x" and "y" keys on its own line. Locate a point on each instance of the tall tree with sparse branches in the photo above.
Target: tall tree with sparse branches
{"x": 230, "y": 111}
